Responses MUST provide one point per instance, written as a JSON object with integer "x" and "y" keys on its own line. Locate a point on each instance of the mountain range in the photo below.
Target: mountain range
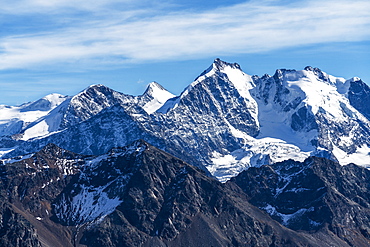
{"x": 225, "y": 121}
{"x": 234, "y": 160}
{"x": 139, "y": 195}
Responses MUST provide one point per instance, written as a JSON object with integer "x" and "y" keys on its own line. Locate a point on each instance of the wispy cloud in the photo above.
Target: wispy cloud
{"x": 140, "y": 35}
{"x": 46, "y": 6}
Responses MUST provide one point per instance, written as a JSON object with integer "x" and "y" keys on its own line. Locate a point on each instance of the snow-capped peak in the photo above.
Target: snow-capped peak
{"x": 46, "y": 103}
{"x": 152, "y": 88}
{"x": 318, "y": 89}
{"x": 354, "y": 79}
{"x": 241, "y": 81}
{"x": 91, "y": 91}
{"x": 229, "y": 72}
{"x": 219, "y": 64}
{"x": 157, "y": 91}
{"x": 157, "y": 95}
{"x": 15, "y": 118}
{"x": 55, "y": 99}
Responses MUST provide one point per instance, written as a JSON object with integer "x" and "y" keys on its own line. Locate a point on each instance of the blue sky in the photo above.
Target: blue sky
{"x": 63, "y": 46}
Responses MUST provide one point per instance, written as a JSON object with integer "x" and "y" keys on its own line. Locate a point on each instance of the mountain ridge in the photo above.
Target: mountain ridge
{"x": 225, "y": 119}
{"x": 136, "y": 195}
{"x": 312, "y": 195}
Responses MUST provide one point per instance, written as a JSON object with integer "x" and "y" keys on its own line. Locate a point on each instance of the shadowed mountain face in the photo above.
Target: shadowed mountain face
{"x": 133, "y": 196}
{"x": 313, "y": 195}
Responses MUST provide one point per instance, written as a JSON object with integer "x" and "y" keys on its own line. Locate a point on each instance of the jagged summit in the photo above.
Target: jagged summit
{"x": 54, "y": 151}
{"x": 310, "y": 68}
{"x": 96, "y": 87}
{"x": 217, "y": 66}
{"x": 220, "y": 64}
{"x": 230, "y": 73}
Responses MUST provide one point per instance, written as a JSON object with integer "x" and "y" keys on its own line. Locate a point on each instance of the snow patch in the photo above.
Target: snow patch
{"x": 286, "y": 218}
{"x": 361, "y": 157}
{"x": 88, "y": 205}
{"x": 16, "y": 159}
{"x": 4, "y": 151}
{"x": 256, "y": 152}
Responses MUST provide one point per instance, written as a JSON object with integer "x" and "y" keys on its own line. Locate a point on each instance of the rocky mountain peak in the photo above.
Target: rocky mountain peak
{"x": 310, "y": 68}
{"x": 53, "y": 151}
{"x": 220, "y": 64}
{"x": 98, "y": 93}
{"x": 97, "y": 87}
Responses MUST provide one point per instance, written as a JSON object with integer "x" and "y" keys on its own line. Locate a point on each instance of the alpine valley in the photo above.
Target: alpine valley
{"x": 234, "y": 160}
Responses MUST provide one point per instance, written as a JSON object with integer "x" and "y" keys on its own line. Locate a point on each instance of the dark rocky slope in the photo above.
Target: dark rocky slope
{"x": 132, "y": 196}
{"x": 315, "y": 195}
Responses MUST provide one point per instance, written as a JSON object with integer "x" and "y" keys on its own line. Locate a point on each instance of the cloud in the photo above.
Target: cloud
{"x": 135, "y": 36}
{"x": 54, "y": 6}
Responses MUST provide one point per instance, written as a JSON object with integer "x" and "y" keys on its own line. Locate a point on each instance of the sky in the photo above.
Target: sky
{"x": 63, "y": 46}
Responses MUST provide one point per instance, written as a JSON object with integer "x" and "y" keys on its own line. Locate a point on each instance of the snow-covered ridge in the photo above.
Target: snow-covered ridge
{"x": 15, "y": 118}
{"x": 317, "y": 92}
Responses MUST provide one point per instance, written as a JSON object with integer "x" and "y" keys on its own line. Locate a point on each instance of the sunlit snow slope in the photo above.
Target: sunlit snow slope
{"x": 13, "y": 119}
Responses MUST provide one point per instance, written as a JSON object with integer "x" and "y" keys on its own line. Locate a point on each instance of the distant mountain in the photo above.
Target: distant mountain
{"x": 225, "y": 120}
{"x": 154, "y": 97}
{"x": 136, "y": 195}
{"x": 14, "y": 119}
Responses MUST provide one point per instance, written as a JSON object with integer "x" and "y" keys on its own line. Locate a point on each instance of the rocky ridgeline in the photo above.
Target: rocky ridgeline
{"x": 139, "y": 195}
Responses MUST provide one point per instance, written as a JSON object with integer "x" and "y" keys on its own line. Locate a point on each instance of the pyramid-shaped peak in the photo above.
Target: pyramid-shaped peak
{"x": 154, "y": 97}
{"x": 155, "y": 84}
{"x": 356, "y": 79}
{"x": 153, "y": 87}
